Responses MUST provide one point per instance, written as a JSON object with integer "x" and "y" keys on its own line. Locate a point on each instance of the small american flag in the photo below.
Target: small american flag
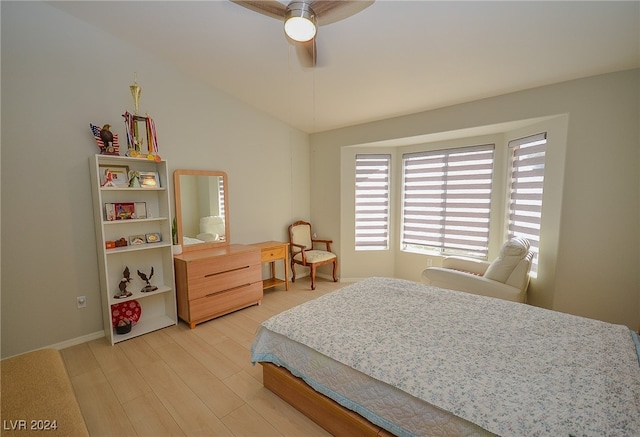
{"x": 95, "y": 130}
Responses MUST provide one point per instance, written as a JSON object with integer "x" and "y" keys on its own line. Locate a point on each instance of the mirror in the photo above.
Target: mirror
{"x": 201, "y": 209}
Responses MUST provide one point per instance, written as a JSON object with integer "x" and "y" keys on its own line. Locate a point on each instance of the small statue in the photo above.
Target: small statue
{"x": 123, "y": 285}
{"x": 107, "y": 139}
{"x": 134, "y": 179}
{"x": 136, "y": 90}
{"x": 147, "y": 288}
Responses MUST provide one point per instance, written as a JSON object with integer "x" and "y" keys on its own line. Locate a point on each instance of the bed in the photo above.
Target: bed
{"x": 390, "y": 356}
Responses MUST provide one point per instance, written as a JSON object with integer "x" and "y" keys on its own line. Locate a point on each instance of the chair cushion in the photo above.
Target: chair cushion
{"x": 315, "y": 256}
{"x": 301, "y": 234}
{"x": 511, "y": 253}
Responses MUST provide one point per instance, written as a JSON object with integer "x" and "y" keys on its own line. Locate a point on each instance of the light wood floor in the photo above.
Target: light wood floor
{"x": 178, "y": 381}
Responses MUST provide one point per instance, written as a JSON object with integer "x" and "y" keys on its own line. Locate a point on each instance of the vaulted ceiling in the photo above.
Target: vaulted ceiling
{"x": 393, "y": 58}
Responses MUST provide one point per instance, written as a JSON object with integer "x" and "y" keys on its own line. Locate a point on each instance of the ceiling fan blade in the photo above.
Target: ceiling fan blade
{"x": 307, "y": 53}
{"x": 270, "y": 8}
{"x": 330, "y": 11}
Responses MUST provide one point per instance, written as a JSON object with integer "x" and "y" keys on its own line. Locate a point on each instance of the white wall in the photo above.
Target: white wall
{"x": 593, "y": 249}
{"x": 59, "y": 75}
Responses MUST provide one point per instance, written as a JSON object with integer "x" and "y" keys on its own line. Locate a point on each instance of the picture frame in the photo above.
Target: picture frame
{"x": 109, "y": 212}
{"x": 135, "y": 240}
{"x": 153, "y": 237}
{"x": 149, "y": 179}
{"x": 119, "y": 175}
{"x": 140, "y": 210}
{"x": 124, "y": 210}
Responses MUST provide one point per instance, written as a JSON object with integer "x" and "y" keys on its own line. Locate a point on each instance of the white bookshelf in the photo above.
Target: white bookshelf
{"x": 158, "y": 308}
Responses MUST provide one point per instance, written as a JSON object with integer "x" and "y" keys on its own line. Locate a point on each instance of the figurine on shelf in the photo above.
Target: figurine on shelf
{"x": 107, "y": 137}
{"x": 147, "y": 288}
{"x": 107, "y": 141}
{"x": 134, "y": 179}
{"x": 126, "y": 278}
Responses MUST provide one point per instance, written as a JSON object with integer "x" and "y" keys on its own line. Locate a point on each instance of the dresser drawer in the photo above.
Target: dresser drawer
{"x": 273, "y": 254}
{"x": 214, "y": 282}
{"x": 200, "y": 286}
{"x": 208, "y": 267}
{"x": 214, "y": 305}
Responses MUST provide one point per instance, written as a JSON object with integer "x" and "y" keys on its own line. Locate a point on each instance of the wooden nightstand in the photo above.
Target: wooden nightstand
{"x": 273, "y": 251}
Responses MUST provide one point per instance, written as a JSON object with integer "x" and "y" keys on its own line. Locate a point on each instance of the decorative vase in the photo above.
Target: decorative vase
{"x": 176, "y": 249}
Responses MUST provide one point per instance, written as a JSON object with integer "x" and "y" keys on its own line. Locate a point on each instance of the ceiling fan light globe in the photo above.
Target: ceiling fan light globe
{"x": 300, "y": 21}
{"x": 300, "y": 29}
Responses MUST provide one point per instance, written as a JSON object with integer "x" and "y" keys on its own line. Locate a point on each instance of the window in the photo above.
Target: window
{"x": 525, "y": 190}
{"x": 221, "y": 211}
{"x": 372, "y": 201}
{"x": 447, "y": 200}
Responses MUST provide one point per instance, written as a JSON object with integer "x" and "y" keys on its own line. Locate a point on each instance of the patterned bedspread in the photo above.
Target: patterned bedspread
{"x": 512, "y": 369}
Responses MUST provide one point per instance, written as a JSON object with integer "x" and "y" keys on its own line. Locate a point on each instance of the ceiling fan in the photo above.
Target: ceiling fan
{"x": 302, "y": 18}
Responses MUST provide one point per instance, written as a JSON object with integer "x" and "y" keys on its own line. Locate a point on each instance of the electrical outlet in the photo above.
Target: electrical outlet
{"x": 81, "y": 301}
{"x": 429, "y": 262}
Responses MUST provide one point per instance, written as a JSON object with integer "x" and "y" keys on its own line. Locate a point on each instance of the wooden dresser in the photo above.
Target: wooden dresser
{"x": 214, "y": 282}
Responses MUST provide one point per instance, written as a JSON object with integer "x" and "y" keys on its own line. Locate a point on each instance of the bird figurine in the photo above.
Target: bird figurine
{"x": 147, "y": 288}
{"x": 107, "y": 139}
{"x": 126, "y": 278}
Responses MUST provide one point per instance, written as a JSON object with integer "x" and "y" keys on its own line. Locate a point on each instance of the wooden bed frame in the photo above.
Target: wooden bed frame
{"x": 324, "y": 411}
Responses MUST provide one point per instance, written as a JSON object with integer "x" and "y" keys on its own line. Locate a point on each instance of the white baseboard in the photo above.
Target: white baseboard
{"x": 340, "y": 280}
{"x": 78, "y": 340}
{"x": 351, "y": 279}
{"x": 65, "y": 344}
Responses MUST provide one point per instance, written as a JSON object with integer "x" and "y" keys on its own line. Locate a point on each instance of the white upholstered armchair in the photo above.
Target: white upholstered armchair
{"x": 506, "y": 278}
{"x": 211, "y": 228}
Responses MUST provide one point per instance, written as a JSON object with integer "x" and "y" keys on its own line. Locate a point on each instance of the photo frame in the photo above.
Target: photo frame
{"x": 140, "y": 210}
{"x": 125, "y": 210}
{"x": 109, "y": 212}
{"x": 149, "y": 179}
{"x": 119, "y": 175}
{"x": 153, "y": 237}
{"x": 135, "y": 240}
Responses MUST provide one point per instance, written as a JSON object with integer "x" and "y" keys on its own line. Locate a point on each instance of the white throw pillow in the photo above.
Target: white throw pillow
{"x": 511, "y": 253}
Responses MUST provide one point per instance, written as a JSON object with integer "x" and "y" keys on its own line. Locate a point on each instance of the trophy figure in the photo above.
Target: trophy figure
{"x": 122, "y": 286}
{"x": 135, "y": 92}
{"x": 135, "y": 132}
{"x": 147, "y": 288}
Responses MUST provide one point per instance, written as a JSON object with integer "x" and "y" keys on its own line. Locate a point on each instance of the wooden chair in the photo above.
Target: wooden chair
{"x": 303, "y": 252}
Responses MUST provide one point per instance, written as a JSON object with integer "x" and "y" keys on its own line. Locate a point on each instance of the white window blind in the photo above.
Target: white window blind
{"x": 447, "y": 200}
{"x": 525, "y": 193}
{"x": 221, "y": 210}
{"x": 372, "y": 201}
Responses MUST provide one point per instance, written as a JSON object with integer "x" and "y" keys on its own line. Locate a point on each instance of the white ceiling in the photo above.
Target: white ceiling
{"x": 394, "y": 58}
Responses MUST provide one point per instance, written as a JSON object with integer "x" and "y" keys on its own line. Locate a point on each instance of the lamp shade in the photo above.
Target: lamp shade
{"x": 300, "y": 21}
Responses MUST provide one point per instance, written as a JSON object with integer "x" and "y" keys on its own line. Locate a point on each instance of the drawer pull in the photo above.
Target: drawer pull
{"x": 228, "y": 289}
{"x": 226, "y": 271}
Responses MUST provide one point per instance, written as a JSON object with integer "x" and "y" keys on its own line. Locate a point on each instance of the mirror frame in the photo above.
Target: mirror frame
{"x": 178, "y": 210}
